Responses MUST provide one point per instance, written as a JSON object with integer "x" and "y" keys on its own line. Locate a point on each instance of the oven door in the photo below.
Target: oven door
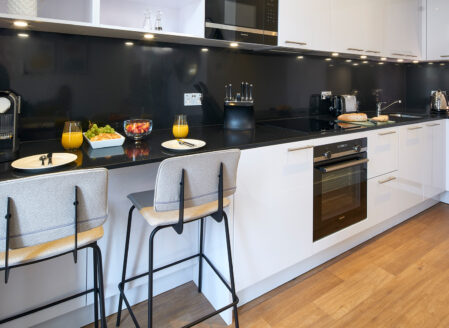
{"x": 340, "y": 194}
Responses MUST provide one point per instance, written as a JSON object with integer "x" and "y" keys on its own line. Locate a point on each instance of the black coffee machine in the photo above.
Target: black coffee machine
{"x": 9, "y": 120}
{"x": 239, "y": 110}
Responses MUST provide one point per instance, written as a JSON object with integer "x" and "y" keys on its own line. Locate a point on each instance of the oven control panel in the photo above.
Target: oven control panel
{"x": 339, "y": 149}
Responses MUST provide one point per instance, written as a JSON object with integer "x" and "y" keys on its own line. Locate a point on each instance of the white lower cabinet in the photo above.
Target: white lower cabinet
{"x": 382, "y": 151}
{"x": 273, "y": 210}
{"x": 383, "y": 198}
{"x": 435, "y": 159}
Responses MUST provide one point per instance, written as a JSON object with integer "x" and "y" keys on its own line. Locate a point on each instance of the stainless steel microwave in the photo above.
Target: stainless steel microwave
{"x": 252, "y": 21}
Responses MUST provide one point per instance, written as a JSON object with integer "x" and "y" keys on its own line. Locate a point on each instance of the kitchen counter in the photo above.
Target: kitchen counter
{"x": 150, "y": 150}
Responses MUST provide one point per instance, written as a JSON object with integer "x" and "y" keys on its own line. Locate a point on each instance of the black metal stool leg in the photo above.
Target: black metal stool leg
{"x": 125, "y": 262}
{"x": 231, "y": 269}
{"x": 200, "y": 258}
{"x": 150, "y": 277}
{"x": 101, "y": 286}
{"x": 95, "y": 264}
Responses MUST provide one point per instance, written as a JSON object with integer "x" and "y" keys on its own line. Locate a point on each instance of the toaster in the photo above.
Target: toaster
{"x": 343, "y": 104}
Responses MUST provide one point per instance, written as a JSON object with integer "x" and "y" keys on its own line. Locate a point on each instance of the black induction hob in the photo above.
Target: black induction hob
{"x": 310, "y": 124}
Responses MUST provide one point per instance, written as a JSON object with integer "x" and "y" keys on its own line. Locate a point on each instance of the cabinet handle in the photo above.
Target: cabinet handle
{"x": 413, "y": 56}
{"x": 373, "y": 51}
{"x": 345, "y": 165}
{"x": 300, "y": 148}
{"x": 386, "y": 133}
{"x": 398, "y": 54}
{"x": 387, "y": 180}
{"x": 355, "y": 49}
{"x": 435, "y": 124}
{"x": 296, "y": 42}
{"x": 444, "y": 56}
{"x": 415, "y": 128}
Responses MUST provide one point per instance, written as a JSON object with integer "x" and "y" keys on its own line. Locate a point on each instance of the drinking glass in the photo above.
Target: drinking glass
{"x": 180, "y": 126}
{"x": 72, "y": 135}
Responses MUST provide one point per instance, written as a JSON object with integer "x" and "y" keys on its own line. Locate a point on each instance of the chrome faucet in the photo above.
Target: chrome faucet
{"x": 380, "y": 109}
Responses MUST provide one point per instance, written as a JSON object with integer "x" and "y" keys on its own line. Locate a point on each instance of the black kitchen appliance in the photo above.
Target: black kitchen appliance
{"x": 343, "y": 104}
{"x": 311, "y": 125}
{"x": 339, "y": 186}
{"x": 252, "y": 21}
{"x": 239, "y": 110}
{"x": 9, "y": 112}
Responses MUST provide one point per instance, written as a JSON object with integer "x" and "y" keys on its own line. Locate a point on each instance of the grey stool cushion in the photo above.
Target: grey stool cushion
{"x": 201, "y": 179}
{"x": 43, "y": 210}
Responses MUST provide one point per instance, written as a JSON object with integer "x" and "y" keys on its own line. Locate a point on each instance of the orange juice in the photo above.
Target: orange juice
{"x": 72, "y": 140}
{"x": 180, "y": 131}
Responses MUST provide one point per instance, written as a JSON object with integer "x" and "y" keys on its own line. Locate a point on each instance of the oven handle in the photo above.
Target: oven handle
{"x": 337, "y": 167}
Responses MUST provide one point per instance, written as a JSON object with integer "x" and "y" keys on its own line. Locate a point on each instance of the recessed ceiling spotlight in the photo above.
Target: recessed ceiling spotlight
{"x": 415, "y": 61}
{"x": 20, "y": 24}
{"x": 365, "y": 62}
{"x": 234, "y": 44}
{"x": 148, "y": 36}
{"x": 355, "y": 64}
{"x": 348, "y": 60}
{"x": 335, "y": 54}
{"x": 300, "y": 57}
{"x": 204, "y": 49}
{"x": 380, "y": 63}
{"x": 129, "y": 43}
{"x": 383, "y": 58}
{"x": 363, "y": 57}
{"x": 430, "y": 63}
{"x": 442, "y": 64}
{"x": 400, "y": 60}
{"x": 328, "y": 59}
{"x": 23, "y": 35}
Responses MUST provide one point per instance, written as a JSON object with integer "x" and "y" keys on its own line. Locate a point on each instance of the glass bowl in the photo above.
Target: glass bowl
{"x": 137, "y": 129}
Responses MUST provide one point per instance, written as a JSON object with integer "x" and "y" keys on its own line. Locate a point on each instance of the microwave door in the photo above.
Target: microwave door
{"x": 238, "y": 13}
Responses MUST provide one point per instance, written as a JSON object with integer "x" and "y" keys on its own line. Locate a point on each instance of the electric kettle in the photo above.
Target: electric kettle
{"x": 438, "y": 101}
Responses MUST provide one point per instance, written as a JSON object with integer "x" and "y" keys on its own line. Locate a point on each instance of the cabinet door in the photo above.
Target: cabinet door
{"x": 304, "y": 24}
{"x": 383, "y": 198}
{"x": 411, "y": 165}
{"x": 402, "y": 33}
{"x": 357, "y": 26}
{"x": 273, "y": 210}
{"x": 382, "y": 152}
{"x": 437, "y": 29}
{"x": 435, "y": 167}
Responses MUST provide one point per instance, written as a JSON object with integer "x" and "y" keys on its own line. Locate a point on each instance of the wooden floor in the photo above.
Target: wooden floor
{"x": 398, "y": 279}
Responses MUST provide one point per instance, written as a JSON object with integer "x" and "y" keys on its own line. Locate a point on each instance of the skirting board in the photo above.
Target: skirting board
{"x": 293, "y": 272}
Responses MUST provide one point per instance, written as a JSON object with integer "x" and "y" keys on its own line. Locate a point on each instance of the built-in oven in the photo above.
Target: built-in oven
{"x": 339, "y": 186}
{"x": 252, "y": 21}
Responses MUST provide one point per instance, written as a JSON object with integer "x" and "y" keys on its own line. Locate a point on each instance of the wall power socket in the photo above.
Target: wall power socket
{"x": 192, "y": 99}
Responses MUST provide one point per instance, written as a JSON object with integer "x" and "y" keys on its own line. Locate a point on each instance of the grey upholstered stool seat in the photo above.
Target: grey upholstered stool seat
{"x": 51, "y": 248}
{"x": 52, "y": 215}
{"x": 144, "y": 200}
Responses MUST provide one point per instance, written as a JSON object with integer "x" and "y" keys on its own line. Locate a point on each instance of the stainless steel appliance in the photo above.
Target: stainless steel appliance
{"x": 339, "y": 186}
{"x": 9, "y": 112}
{"x": 239, "y": 109}
{"x": 343, "y": 104}
{"x": 252, "y": 21}
{"x": 438, "y": 101}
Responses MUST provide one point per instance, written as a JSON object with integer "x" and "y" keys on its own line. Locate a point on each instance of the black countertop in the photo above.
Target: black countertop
{"x": 150, "y": 150}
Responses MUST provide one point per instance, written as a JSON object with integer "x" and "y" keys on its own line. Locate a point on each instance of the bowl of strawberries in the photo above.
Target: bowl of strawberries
{"x": 137, "y": 129}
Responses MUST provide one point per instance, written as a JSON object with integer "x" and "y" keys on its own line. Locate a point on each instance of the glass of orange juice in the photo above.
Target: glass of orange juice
{"x": 72, "y": 135}
{"x": 180, "y": 126}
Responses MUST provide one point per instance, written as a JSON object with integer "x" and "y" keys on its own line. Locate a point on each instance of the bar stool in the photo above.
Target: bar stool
{"x": 52, "y": 215}
{"x": 187, "y": 189}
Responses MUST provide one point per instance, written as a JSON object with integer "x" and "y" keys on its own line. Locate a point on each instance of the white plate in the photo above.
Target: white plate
{"x": 34, "y": 163}
{"x": 106, "y": 143}
{"x": 174, "y": 144}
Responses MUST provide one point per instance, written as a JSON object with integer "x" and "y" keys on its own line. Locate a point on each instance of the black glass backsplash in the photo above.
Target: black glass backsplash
{"x": 67, "y": 77}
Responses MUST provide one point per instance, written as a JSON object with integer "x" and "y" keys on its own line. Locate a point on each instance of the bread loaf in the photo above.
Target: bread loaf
{"x": 353, "y": 117}
{"x": 380, "y": 118}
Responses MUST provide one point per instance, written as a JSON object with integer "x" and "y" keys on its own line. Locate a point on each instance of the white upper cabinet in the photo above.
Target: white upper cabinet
{"x": 304, "y": 24}
{"x": 437, "y": 29}
{"x": 356, "y": 26}
{"x": 402, "y": 32}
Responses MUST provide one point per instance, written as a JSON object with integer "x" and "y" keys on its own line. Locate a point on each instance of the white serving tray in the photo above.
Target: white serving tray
{"x": 106, "y": 143}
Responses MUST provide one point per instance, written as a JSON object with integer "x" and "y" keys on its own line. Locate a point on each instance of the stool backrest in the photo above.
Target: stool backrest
{"x": 42, "y": 206}
{"x": 200, "y": 179}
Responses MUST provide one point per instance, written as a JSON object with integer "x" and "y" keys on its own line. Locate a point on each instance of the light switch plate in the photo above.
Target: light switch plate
{"x": 192, "y": 99}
